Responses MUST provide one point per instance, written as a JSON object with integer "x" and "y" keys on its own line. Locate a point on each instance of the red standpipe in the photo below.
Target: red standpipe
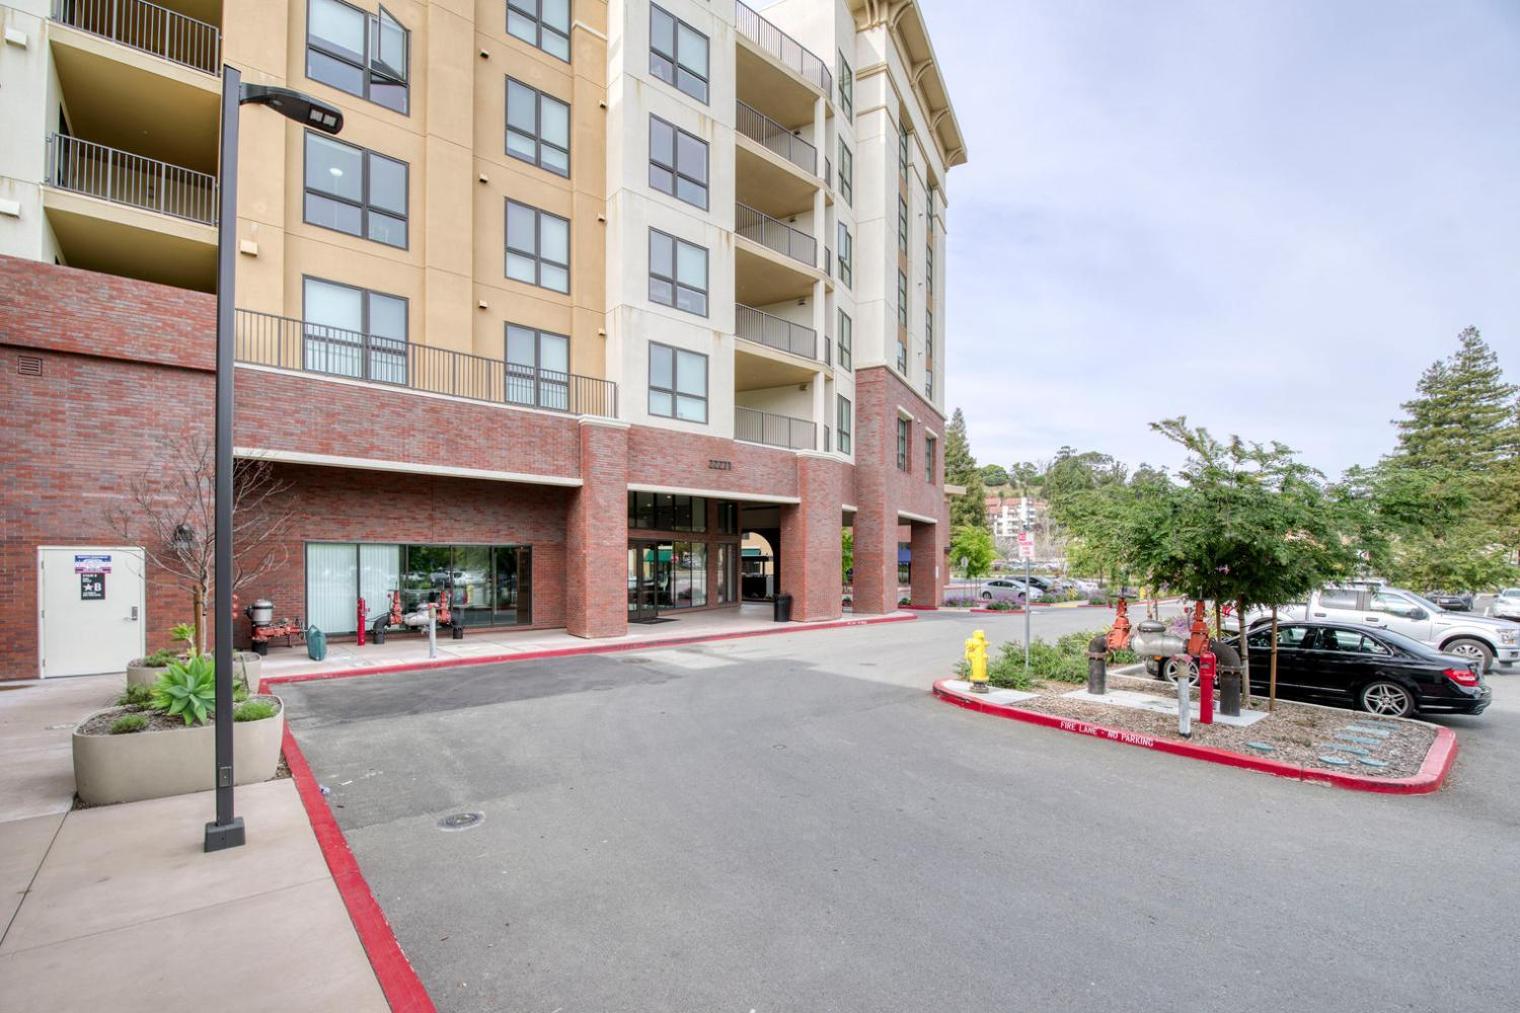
{"x": 1206, "y": 666}
{"x": 362, "y": 613}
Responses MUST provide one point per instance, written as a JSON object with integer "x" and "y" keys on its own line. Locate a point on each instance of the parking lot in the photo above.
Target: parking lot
{"x": 794, "y": 823}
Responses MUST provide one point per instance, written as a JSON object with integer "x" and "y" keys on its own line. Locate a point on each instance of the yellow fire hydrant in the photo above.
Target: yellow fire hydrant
{"x": 976, "y": 655}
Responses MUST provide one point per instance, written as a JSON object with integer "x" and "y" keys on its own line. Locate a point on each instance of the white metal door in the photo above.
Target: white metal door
{"x": 90, "y": 609}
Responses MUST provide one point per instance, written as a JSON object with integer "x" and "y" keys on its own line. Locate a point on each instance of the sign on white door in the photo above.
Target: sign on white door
{"x": 91, "y": 609}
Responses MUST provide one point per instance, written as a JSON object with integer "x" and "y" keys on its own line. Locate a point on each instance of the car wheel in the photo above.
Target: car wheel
{"x": 1387, "y": 699}
{"x": 1170, "y": 667}
{"x": 986, "y": 596}
{"x": 1471, "y": 650}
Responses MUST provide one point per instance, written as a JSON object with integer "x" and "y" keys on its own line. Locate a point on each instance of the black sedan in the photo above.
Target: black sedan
{"x": 1376, "y": 670}
{"x": 1453, "y": 601}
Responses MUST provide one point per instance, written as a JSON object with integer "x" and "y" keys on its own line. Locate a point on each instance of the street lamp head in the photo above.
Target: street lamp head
{"x": 293, "y": 105}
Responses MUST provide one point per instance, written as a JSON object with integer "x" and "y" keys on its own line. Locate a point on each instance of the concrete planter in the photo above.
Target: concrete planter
{"x": 144, "y": 675}
{"x": 155, "y": 764}
{"x": 250, "y": 666}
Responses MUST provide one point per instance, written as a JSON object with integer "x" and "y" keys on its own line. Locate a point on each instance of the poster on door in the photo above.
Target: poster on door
{"x": 92, "y": 587}
{"x": 92, "y": 562}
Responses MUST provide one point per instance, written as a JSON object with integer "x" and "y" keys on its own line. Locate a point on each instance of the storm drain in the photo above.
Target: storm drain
{"x": 461, "y": 821}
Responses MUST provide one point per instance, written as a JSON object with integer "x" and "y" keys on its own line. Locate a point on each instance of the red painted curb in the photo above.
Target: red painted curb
{"x": 566, "y": 652}
{"x": 1433, "y": 771}
{"x": 403, "y": 989}
{"x": 996, "y": 612}
{"x": 920, "y": 608}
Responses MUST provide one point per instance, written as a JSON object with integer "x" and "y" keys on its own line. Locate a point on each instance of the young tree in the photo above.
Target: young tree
{"x": 171, "y": 510}
{"x": 994, "y": 476}
{"x": 846, "y": 553}
{"x": 974, "y": 545}
{"x": 969, "y": 508}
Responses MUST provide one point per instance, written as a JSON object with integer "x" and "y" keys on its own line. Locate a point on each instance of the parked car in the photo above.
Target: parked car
{"x": 1006, "y": 589}
{"x": 1452, "y": 601}
{"x": 1378, "y": 671}
{"x": 1507, "y": 605}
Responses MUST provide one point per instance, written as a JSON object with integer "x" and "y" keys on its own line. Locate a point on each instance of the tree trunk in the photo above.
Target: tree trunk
{"x": 1272, "y": 672}
{"x": 1218, "y": 627}
{"x": 1245, "y": 653}
{"x": 198, "y": 603}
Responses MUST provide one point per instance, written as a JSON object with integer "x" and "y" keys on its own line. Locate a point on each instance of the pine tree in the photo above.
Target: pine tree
{"x": 1462, "y": 416}
{"x": 960, "y": 469}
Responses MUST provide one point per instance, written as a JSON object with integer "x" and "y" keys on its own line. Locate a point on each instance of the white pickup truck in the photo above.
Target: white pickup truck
{"x": 1477, "y": 638}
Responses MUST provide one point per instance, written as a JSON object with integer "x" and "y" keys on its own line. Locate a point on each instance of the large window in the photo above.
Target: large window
{"x": 846, "y": 256}
{"x": 728, "y": 572}
{"x": 538, "y": 247}
{"x": 843, "y": 423}
{"x": 677, "y": 53}
{"x": 538, "y": 368}
{"x": 538, "y": 128}
{"x": 846, "y": 173}
{"x": 846, "y": 89}
{"x": 663, "y": 511}
{"x": 902, "y": 300}
{"x": 677, "y": 162}
{"x": 363, "y": 54}
{"x": 485, "y": 585}
{"x": 349, "y": 331}
{"x": 677, "y": 273}
{"x": 902, "y": 151}
{"x": 677, "y": 383}
{"x": 904, "y": 432}
{"x": 349, "y": 189}
{"x": 929, "y": 448}
{"x": 541, "y": 23}
{"x": 902, "y": 226}
{"x": 846, "y": 340}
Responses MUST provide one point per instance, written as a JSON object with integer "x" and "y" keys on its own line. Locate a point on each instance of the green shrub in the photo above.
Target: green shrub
{"x": 239, "y": 691}
{"x": 129, "y": 723}
{"x": 187, "y": 689}
{"x": 1005, "y": 670}
{"x": 254, "y": 710}
{"x": 162, "y": 658}
{"x": 185, "y": 634}
{"x": 136, "y": 697}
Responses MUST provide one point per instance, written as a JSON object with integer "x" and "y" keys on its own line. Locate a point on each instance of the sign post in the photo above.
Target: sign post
{"x": 1026, "y": 553}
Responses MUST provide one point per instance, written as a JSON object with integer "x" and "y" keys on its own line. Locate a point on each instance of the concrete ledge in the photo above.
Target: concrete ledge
{"x": 1438, "y": 761}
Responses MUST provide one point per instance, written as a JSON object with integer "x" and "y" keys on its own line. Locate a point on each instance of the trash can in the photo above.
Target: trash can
{"x": 783, "y": 608}
{"x": 316, "y": 643}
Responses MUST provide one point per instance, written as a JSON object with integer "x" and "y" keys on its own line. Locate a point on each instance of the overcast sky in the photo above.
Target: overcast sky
{"x": 1267, "y": 215}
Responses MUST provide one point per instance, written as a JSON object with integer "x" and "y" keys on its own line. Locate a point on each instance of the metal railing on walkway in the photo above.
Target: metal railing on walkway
{"x": 775, "y": 332}
{"x": 148, "y": 27}
{"x": 120, "y": 176}
{"x": 264, "y": 339}
{"x": 777, "y": 235}
{"x": 783, "y": 47}
{"x": 753, "y": 426}
{"x": 760, "y": 128}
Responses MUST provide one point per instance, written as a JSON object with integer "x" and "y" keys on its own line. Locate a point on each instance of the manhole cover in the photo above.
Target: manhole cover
{"x": 461, "y": 821}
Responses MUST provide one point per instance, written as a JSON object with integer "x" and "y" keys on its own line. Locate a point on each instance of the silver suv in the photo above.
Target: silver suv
{"x": 1477, "y": 638}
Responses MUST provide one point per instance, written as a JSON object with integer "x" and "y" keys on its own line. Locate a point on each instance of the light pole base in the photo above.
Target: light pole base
{"x": 220, "y": 836}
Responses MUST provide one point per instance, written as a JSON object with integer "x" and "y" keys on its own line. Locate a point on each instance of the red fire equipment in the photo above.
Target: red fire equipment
{"x": 1206, "y": 668}
{"x": 1118, "y": 635}
{"x": 1198, "y": 635}
{"x": 363, "y": 617}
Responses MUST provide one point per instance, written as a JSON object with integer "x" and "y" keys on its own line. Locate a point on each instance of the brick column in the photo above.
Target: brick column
{"x": 875, "y": 559}
{"x": 810, "y": 567}
{"x": 596, "y": 534}
{"x": 928, "y": 579}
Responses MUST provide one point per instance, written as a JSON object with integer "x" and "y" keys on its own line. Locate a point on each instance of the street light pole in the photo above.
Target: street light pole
{"x": 226, "y": 831}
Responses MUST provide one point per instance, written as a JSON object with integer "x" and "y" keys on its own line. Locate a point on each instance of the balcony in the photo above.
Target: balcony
{"x": 148, "y": 28}
{"x": 124, "y": 178}
{"x": 759, "y": 227}
{"x": 775, "y": 332}
{"x": 763, "y": 130}
{"x": 782, "y": 48}
{"x": 263, "y": 339}
{"x": 752, "y": 426}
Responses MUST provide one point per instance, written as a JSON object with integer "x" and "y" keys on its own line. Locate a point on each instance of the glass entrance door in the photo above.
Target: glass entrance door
{"x": 642, "y": 588}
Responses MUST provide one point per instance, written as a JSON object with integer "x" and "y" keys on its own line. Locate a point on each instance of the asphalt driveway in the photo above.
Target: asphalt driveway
{"x": 794, "y": 823}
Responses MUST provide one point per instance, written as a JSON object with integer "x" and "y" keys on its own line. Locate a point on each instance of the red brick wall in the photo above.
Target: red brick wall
{"x": 810, "y": 550}
{"x": 596, "y": 535}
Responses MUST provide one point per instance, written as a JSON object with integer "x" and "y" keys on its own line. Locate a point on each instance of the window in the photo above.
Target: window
{"x": 677, "y": 383}
{"x": 846, "y": 173}
{"x": 355, "y": 191}
{"x": 902, "y": 226}
{"x": 929, "y": 270}
{"x": 728, "y": 518}
{"x": 929, "y": 382}
{"x": 1338, "y": 598}
{"x": 677, "y": 53}
{"x": 728, "y": 573}
{"x": 902, "y": 151}
{"x": 846, "y": 340}
{"x": 538, "y": 368}
{"x": 846, "y": 89}
{"x": 538, "y": 247}
{"x": 1397, "y": 606}
{"x": 677, "y": 273}
{"x": 541, "y": 23}
{"x": 846, "y": 255}
{"x": 538, "y": 128}
{"x": 928, "y": 328}
{"x": 842, "y": 423}
{"x": 902, "y": 355}
{"x": 902, "y": 300}
{"x": 677, "y": 162}
{"x": 663, "y": 511}
{"x": 363, "y": 54}
{"x": 1289, "y": 637}
{"x": 928, "y": 458}
{"x": 1346, "y": 642}
{"x": 903, "y": 431}
{"x": 485, "y": 585}
{"x": 350, "y": 331}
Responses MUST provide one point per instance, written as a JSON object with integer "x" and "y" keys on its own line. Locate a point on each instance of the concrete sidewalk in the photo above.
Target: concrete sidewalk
{"x": 117, "y": 908}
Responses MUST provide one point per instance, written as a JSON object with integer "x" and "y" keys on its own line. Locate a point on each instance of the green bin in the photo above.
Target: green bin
{"x": 316, "y": 643}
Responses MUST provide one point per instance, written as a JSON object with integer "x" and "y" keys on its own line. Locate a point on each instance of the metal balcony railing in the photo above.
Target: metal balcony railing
{"x": 752, "y": 426}
{"x": 120, "y": 176}
{"x": 148, "y": 27}
{"x": 760, "y": 128}
{"x": 775, "y": 332}
{"x": 264, "y": 339}
{"x": 783, "y": 47}
{"x": 779, "y": 236}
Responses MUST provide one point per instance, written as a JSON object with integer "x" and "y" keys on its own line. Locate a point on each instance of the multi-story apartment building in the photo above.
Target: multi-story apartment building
{"x": 584, "y": 292}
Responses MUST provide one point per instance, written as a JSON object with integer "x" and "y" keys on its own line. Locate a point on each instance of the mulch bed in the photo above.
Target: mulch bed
{"x": 100, "y": 724}
{"x": 1299, "y": 733}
